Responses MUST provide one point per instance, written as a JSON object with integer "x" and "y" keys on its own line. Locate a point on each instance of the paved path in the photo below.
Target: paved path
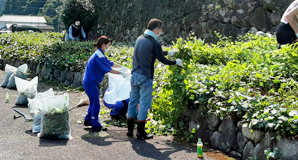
{"x": 18, "y": 142}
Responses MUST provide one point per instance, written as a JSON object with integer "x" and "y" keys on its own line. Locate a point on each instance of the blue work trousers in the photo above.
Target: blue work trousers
{"x": 92, "y": 91}
{"x": 141, "y": 93}
{"x": 118, "y": 108}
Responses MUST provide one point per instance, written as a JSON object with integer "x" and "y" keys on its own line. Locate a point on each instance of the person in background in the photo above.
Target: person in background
{"x": 147, "y": 50}
{"x": 287, "y": 30}
{"x": 75, "y": 32}
{"x": 97, "y": 66}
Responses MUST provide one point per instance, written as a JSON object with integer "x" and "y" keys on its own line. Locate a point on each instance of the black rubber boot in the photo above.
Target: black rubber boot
{"x": 86, "y": 123}
{"x": 142, "y": 134}
{"x": 130, "y": 127}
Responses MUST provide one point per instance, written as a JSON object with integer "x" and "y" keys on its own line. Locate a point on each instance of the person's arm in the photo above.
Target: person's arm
{"x": 116, "y": 66}
{"x": 115, "y": 72}
{"x": 160, "y": 56}
{"x": 83, "y": 33}
{"x": 292, "y": 19}
{"x": 165, "y": 53}
{"x": 70, "y": 33}
{"x": 106, "y": 65}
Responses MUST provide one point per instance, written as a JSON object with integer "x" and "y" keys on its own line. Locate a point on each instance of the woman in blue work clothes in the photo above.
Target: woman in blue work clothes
{"x": 98, "y": 65}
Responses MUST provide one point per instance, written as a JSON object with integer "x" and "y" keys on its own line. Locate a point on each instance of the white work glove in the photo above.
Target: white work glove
{"x": 171, "y": 53}
{"x": 179, "y": 62}
{"x": 124, "y": 75}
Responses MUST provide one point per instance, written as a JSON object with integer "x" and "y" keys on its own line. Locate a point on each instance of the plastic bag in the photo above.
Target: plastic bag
{"x": 119, "y": 87}
{"x": 55, "y": 117}
{"x": 35, "y": 107}
{"x": 8, "y": 72}
{"x": 26, "y": 89}
{"x": 20, "y": 72}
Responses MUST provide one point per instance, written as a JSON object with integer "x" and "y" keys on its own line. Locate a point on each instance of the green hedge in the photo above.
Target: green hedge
{"x": 249, "y": 80}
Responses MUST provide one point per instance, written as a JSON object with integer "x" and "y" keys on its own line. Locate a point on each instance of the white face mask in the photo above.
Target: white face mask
{"x": 107, "y": 49}
{"x": 159, "y": 34}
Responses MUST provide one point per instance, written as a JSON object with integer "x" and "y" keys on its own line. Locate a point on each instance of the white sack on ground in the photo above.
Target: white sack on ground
{"x": 8, "y": 72}
{"x": 119, "y": 87}
{"x": 26, "y": 89}
{"x": 35, "y": 107}
{"x": 20, "y": 72}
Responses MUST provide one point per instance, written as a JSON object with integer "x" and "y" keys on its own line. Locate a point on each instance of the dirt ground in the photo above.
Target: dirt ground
{"x": 18, "y": 142}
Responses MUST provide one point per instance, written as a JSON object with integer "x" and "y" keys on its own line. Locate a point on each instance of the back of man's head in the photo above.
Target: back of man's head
{"x": 154, "y": 23}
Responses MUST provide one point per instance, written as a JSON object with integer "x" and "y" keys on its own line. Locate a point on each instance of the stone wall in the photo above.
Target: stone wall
{"x": 237, "y": 139}
{"x": 124, "y": 20}
{"x": 66, "y": 78}
{"x": 226, "y": 135}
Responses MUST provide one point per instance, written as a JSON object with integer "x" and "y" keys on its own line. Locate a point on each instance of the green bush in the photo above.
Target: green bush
{"x": 249, "y": 80}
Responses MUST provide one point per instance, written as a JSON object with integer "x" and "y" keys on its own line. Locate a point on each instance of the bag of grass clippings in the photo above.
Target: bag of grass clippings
{"x": 35, "y": 107}
{"x": 55, "y": 118}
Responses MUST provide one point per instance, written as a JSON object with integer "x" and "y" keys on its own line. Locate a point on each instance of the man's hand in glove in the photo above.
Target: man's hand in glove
{"x": 179, "y": 62}
{"x": 171, "y": 53}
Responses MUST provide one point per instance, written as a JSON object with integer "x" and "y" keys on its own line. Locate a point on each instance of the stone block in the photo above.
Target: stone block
{"x": 203, "y": 131}
{"x": 216, "y": 139}
{"x": 223, "y": 146}
{"x": 57, "y": 75}
{"x": 192, "y": 125}
{"x": 77, "y": 82}
{"x": 234, "y": 153}
{"x": 288, "y": 149}
{"x": 239, "y": 126}
{"x": 70, "y": 76}
{"x": 253, "y": 135}
{"x": 248, "y": 151}
{"x": 241, "y": 142}
{"x": 229, "y": 133}
{"x": 213, "y": 122}
{"x": 38, "y": 69}
{"x": 63, "y": 76}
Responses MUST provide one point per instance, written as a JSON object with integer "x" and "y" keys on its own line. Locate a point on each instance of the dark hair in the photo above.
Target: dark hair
{"x": 102, "y": 40}
{"x": 154, "y": 23}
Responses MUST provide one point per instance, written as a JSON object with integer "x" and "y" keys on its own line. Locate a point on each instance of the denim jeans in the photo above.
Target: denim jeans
{"x": 141, "y": 93}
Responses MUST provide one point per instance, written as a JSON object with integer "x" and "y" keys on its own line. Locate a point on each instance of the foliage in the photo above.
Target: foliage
{"x": 249, "y": 80}
{"x": 52, "y": 11}
{"x": 79, "y": 10}
{"x": 22, "y": 7}
{"x": 271, "y": 154}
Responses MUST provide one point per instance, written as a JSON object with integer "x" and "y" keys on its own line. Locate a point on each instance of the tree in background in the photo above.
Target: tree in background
{"x": 52, "y": 11}
{"x": 14, "y": 7}
{"x": 33, "y": 6}
{"x": 22, "y": 7}
{"x": 1, "y": 5}
{"x": 80, "y": 10}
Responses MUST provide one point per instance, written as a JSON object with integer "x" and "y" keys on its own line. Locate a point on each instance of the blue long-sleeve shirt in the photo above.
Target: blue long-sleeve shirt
{"x": 98, "y": 65}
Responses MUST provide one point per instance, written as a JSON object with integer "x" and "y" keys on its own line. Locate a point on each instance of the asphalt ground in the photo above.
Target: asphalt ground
{"x": 17, "y": 142}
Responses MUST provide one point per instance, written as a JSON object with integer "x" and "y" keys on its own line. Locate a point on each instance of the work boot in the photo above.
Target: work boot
{"x": 142, "y": 134}
{"x": 86, "y": 123}
{"x": 96, "y": 126}
{"x": 130, "y": 127}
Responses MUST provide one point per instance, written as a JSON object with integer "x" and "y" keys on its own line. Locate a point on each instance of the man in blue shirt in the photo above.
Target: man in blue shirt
{"x": 146, "y": 51}
{"x": 75, "y": 32}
